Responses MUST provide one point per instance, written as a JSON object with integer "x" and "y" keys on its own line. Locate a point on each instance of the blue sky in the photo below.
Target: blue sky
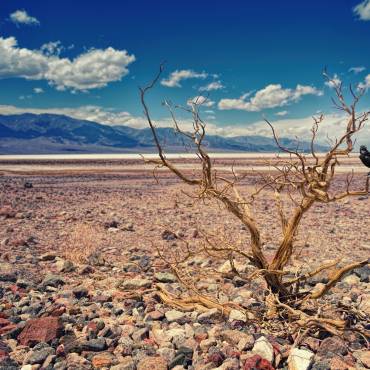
{"x": 87, "y": 58}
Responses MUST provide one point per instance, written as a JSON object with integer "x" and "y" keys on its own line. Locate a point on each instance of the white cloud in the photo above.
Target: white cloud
{"x": 38, "y": 90}
{"x": 215, "y": 85}
{"x": 362, "y": 10}
{"x": 273, "y": 95}
{"x": 366, "y": 83}
{"x": 21, "y": 17}
{"x": 282, "y": 113}
{"x": 52, "y": 48}
{"x": 175, "y": 78}
{"x": 92, "y": 69}
{"x": 201, "y": 101}
{"x": 334, "y": 81}
{"x": 356, "y": 70}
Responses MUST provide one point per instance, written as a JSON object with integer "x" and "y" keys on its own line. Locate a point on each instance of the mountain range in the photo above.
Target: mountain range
{"x": 53, "y": 134}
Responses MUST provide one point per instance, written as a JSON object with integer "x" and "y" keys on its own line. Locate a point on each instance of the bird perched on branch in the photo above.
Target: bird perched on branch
{"x": 365, "y": 156}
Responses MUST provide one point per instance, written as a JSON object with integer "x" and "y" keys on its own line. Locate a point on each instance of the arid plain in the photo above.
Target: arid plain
{"x": 79, "y": 243}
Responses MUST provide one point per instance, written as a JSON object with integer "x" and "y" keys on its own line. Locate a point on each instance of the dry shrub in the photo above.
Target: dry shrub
{"x": 83, "y": 241}
{"x": 299, "y": 180}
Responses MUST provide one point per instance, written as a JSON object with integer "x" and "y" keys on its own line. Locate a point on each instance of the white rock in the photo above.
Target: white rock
{"x": 300, "y": 359}
{"x": 174, "y": 316}
{"x": 226, "y": 267}
{"x": 236, "y": 315}
{"x": 264, "y": 348}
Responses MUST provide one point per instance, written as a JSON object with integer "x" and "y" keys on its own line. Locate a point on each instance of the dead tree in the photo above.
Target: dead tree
{"x": 304, "y": 179}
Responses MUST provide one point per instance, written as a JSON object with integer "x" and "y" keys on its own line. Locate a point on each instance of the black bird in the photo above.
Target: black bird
{"x": 365, "y": 156}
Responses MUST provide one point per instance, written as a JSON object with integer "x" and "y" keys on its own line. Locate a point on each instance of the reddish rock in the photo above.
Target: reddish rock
{"x": 7, "y": 329}
{"x": 44, "y": 329}
{"x": 18, "y": 242}
{"x": 152, "y": 363}
{"x": 339, "y": 363}
{"x": 4, "y": 322}
{"x": 256, "y": 362}
{"x": 7, "y": 212}
{"x": 103, "y": 360}
{"x": 334, "y": 345}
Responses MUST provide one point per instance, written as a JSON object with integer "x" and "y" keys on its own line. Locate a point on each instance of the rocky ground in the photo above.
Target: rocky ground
{"x": 58, "y": 311}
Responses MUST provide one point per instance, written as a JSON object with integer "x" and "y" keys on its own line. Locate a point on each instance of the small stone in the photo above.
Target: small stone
{"x": 175, "y": 316}
{"x": 140, "y": 334}
{"x": 209, "y": 316}
{"x": 126, "y": 363}
{"x": 44, "y": 329}
{"x": 334, "y": 345}
{"x": 263, "y": 348}
{"x": 7, "y": 272}
{"x": 351, "y": 279}
{"x": 363, "y": 273}
{"x": 136, "y": 284}
{"x": 154, "y": 315}
{"x": 233, "y": 337}
{"x": 300, "y": 359}
{"x": 165, "y": 277}
{"x": 94, "y": 345}
{"x": 48, "y": 257}
{"x": 105, "y": 359}
{"x": 52, "y": 280}
{"x": 80, "y": 292}
{"x": 206, "y": 344}
{"x": 246, "y": 343}
{"x": 168, "y": 235}
{"x": 256, "y": 362}
{"x": 152, "y": 363}
{"x": 236, "y": 315}
{"x": 39, "y": 354}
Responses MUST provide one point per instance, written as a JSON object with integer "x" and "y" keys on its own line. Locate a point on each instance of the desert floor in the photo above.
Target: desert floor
{"x": 79, "y": 248}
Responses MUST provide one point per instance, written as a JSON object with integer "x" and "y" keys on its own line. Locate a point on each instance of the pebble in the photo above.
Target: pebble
{"x": 263, "y": 348}
{"x": 300, "y": 359}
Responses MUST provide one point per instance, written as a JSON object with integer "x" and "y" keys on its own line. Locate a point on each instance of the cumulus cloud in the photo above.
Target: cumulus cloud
{"x": 201, "y": 100}
{"x": 175, "y": 78}
{"x": 356, "y": 70}
{"x": 272, "y": 96}
{"x": 22, "y": 17}
{"x": 215, "y": 85}
{"x": 92, "y": 69}
{"x": 366, "y": 83}
{"x": 362, "y": 10}
{"x": 38, "y": 90}
{"x": 334, "y": 81}
{"x": 52, "y": 48}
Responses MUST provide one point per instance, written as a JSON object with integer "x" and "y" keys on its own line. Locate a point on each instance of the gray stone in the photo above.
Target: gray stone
{"x": 52, "y": 280}
{"x": 39, "y": 354}
{"x": 209, "y": 317}
{"x": 136, "y": 284}
{"x": 140, "y": 334}
{"x": 165, "y": 277}
{"x": 94, "y": 345}
{"x": 7, "y": 272}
